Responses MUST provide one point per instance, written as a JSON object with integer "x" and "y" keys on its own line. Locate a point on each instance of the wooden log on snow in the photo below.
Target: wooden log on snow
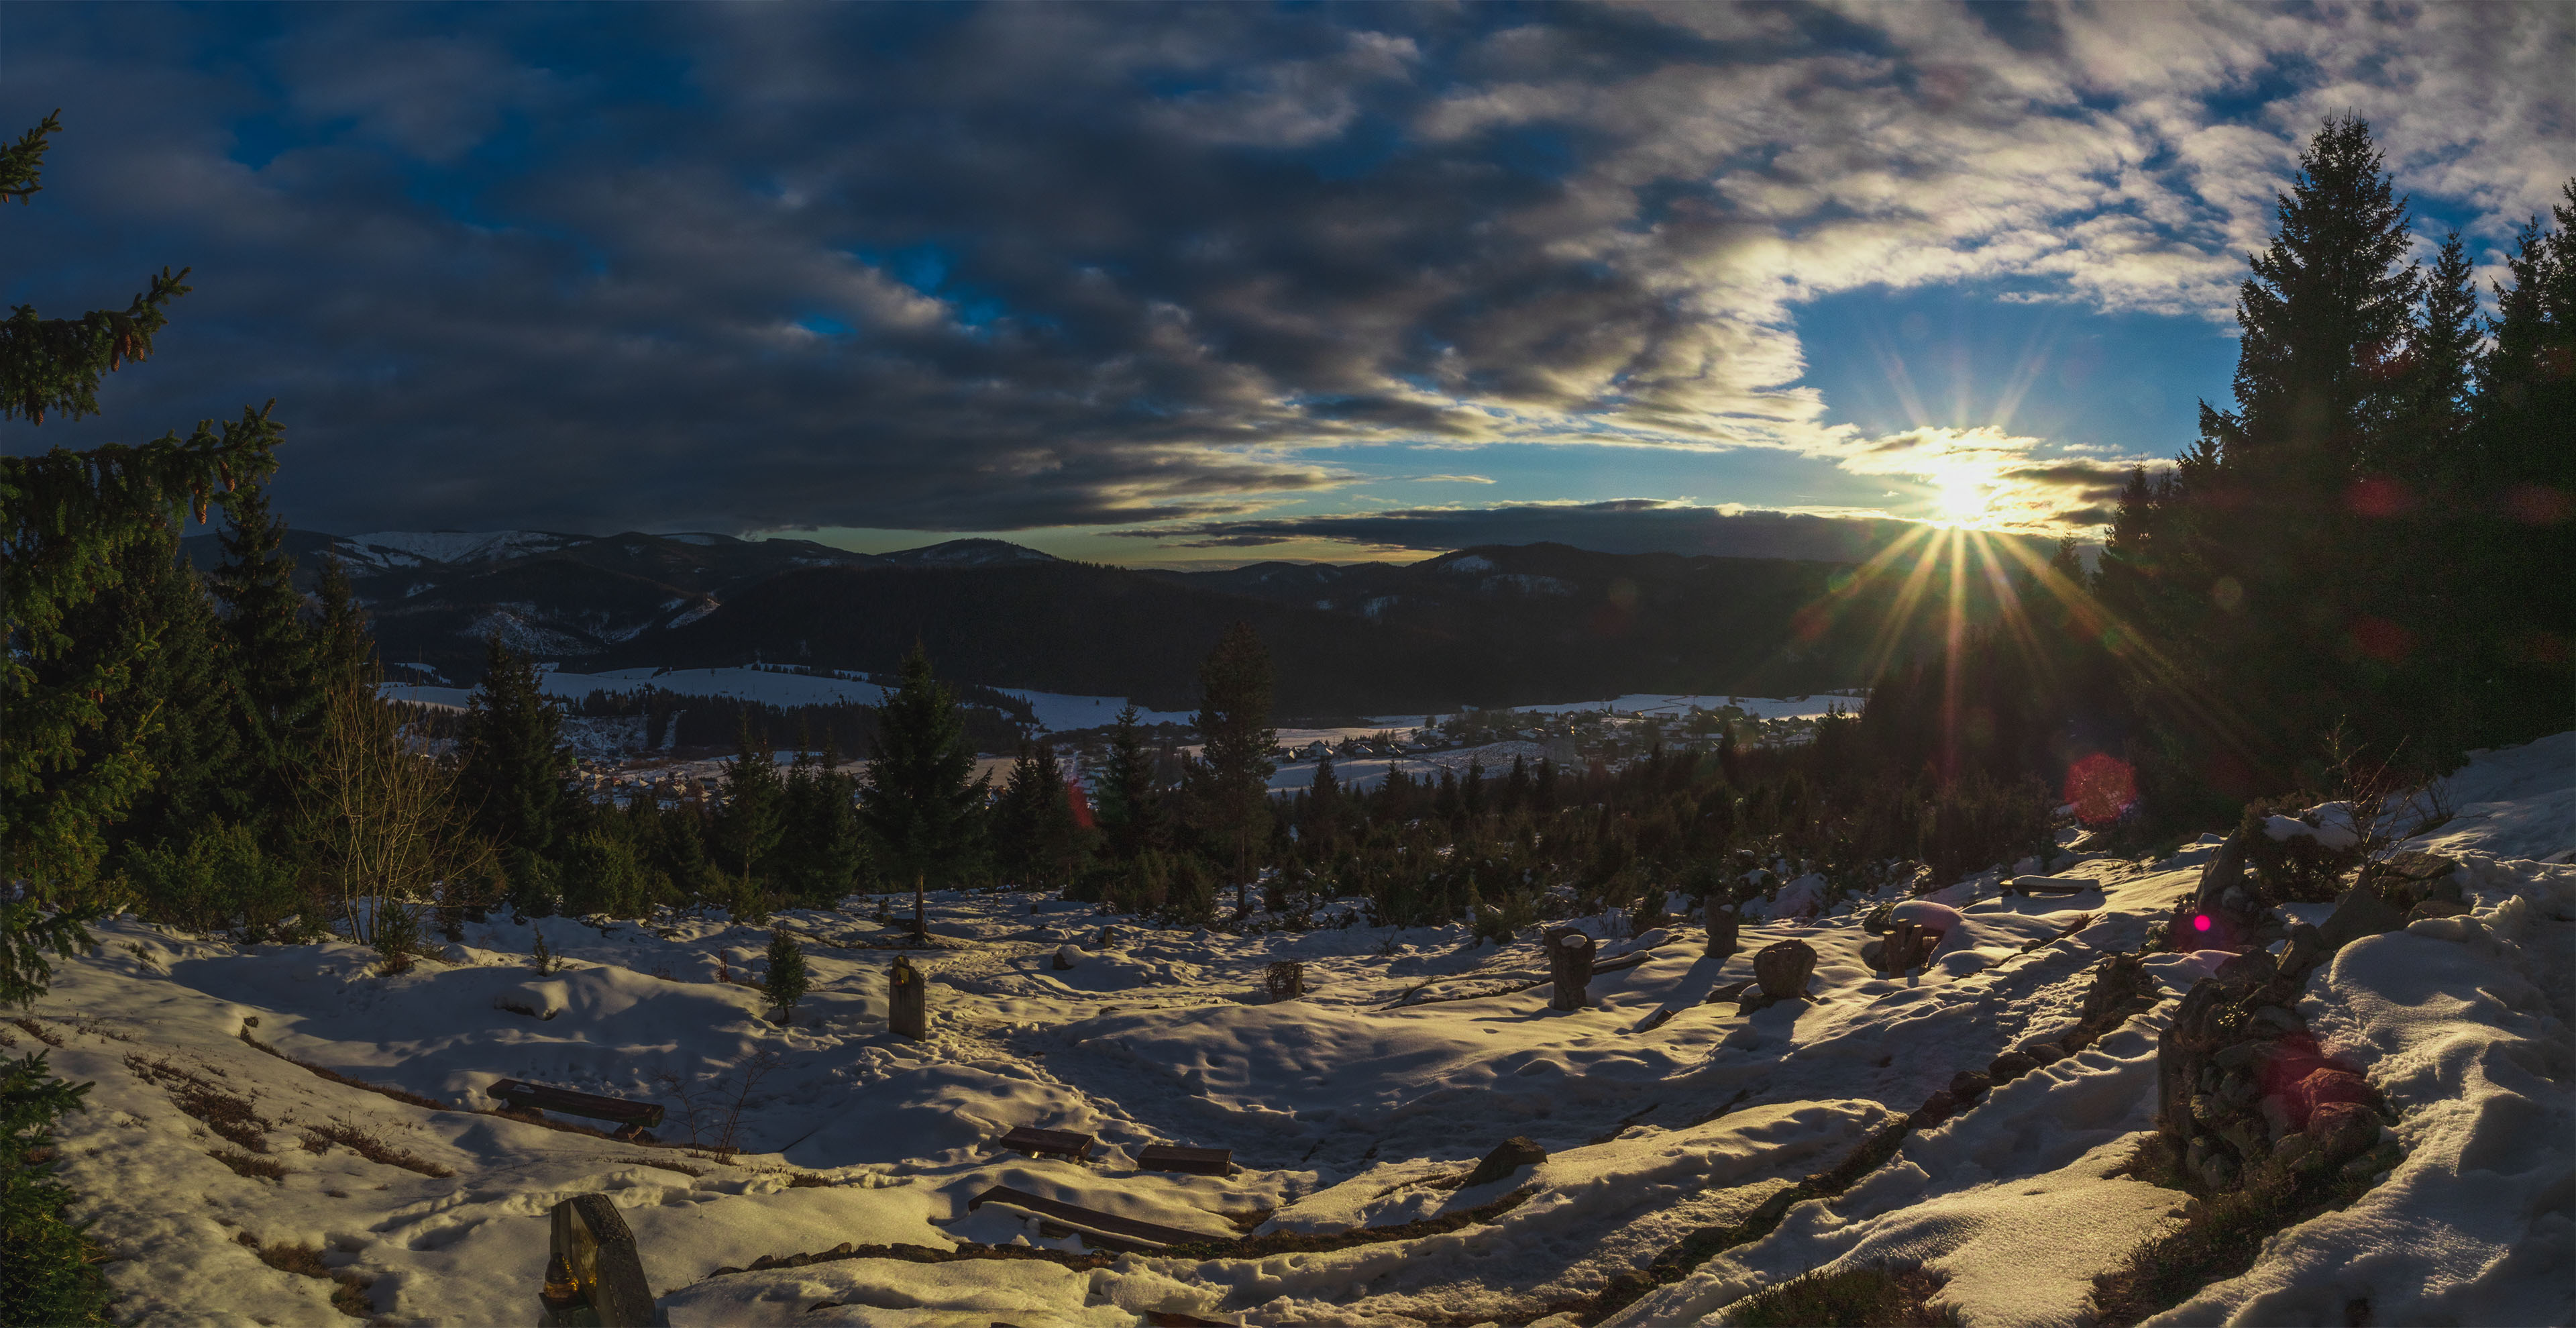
{"x": 594, "y": 1275}
{"x": 1076, "y": 1215}
{"x": 1195, "y": 1161}
{"x": 1569, "y": 967}
{"x": 632, "y": 1117}
{"x": 907, "y": 1000}
{"x": 1048, "y": 1143}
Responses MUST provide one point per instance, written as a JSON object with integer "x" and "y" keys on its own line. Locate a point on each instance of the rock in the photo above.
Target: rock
{"x": 2011, "y": 1065}
{"x": 2280, "y": 1115}
{"x": 2245, "y": 972}
{"x": 1937, "y": 1108}
{"x": 2244, "y": 1054}
{"x": 1508, "y": 1156}
{"x": 1065, "y": 957}
{"x": 2416, "y": 865}
{"x": 2218, "y": 1170}
{"x": 1968, "y": 1086}
{"x": 1783, "y": 968}
{"x": 2360, "y": 913}
{"x": 2436, "y": 908}
{"x": 2330, "y": 1086}
{"x": 2293, "y": 1148}
{"x": 2305, "y": 949}
{"x": 2275, "y": 1017}
{"x": 2044, "y": 1052}
{"x": 2343, "y": 1130}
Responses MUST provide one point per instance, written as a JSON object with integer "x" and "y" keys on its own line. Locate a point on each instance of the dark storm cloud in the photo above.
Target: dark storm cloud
{"x": 1002, "y": 267}
{"x": 1628, "y": 525}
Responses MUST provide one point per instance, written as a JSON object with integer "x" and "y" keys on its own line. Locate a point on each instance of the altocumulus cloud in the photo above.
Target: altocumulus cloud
{"x": 1004, "y": 267}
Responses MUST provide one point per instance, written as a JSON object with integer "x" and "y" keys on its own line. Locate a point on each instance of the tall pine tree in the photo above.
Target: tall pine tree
{"x": 1236, "y": 738}
{"x": 269, "y": 656}
{"x": 515, "y": 776}
{"x": 68, "y": 521}
{"x": 923, "y": 804}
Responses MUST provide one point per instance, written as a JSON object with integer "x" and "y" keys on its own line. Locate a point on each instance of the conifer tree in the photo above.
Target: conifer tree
{"x": 922, "y": 803}
{"x": 784, "y": 984}
{"x": 821, "y": 849}
{"x": 750, "y": 825}
{"x": 515, "y": 773}
{"x": 343, "y": 650}
{"x": 1131, "y": 807}
{"x": 1035, "y": 837}
{"x": 1320, "y": 824}
{"x": 67, "y": 522}
{"x": 269, "y": 655}
{"x": 1237, "y": 737}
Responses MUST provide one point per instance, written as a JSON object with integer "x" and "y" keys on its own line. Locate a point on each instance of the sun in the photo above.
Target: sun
{"x": 1960, "y": 502}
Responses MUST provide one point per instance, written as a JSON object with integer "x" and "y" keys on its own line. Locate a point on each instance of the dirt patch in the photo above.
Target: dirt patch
{"x": 318, "y": 1138}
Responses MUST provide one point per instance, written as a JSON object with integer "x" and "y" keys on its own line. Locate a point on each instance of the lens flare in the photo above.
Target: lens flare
{"x": 2200, "y": 923}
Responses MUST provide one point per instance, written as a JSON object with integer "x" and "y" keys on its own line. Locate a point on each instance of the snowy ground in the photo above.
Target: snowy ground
{"x": 1360, "y": 1105}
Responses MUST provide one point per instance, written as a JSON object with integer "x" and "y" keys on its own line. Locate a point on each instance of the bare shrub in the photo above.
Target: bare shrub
{"x": 349, "y": 1296}
{"x": 711, "y": 1108}
{"x": 380, "y": 822}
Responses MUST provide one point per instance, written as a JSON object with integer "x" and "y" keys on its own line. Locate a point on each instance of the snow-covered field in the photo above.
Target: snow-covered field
{"x": 1360, "y": 1105}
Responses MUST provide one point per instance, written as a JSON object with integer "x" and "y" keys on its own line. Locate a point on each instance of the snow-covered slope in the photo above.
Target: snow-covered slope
{"x": 1663, "y": 1114}
{"x": 390, "y": 547}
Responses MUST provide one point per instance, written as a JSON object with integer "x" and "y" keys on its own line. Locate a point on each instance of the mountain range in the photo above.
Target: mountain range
{"x": 1504, "y": 625}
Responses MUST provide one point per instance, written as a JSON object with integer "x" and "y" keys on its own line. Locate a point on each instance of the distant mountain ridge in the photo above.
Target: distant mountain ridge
{"x": 1497, "y": 625}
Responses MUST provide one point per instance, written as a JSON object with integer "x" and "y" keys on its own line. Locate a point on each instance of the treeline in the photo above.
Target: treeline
{"x": 675, "y": 721}
{"x": 2349, "y": 577}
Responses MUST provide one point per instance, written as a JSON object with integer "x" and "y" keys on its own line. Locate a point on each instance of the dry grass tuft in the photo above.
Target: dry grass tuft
{"x": 349, "y": 1296}
{"x": 223, "y": 1111}
{"x": 38, "y": 1032}
{"x": 257, "y": 1168}
{"x": 318, "y": 1138}
{"x": 1851, "y": 1298}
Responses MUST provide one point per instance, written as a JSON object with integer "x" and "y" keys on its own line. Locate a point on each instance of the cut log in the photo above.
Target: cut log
{"x": 907, "y": 1000}
{"x": 1286, "y": 980}
{"x": 1722, "y": 920}
{"x": 1076, "y": 1215}
{"x": 564, "y": 1101}
{"x": 1569, "y": 966}
{"x": 1195, "y": 1161}
{"x": 1047, "y": 1143}
{"x": 1782, "y": 968}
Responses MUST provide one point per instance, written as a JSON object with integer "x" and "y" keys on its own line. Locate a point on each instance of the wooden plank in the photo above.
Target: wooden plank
{"x": 1054, "y": 1143}
{"x": 540, "y": 1097}
{"x": 1077, "y": 1215}
{"x": 1196, "y": 1161}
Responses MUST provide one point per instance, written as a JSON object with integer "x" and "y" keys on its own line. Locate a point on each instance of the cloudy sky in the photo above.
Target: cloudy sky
{"x": 1221, "y": 280}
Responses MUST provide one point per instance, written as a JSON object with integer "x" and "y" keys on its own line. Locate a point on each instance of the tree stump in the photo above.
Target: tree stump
{"x": 1722, "y": 920}
{"x": 907, "y": 1000}
{"x": 1569, "y": 964}
{"x": 593, "y": 1273}
{"x": 1286, "y": 980}
{"x": 1782, "y": 968}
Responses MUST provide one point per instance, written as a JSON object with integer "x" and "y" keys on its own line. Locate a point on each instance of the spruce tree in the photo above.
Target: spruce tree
{"x": 784, "y": 984}
{"x": 750, "y": 825}
{"x": 1131, "y": 805}
{"x": 269, "y": 657}
{"x": 821, "y": 850}
{"x": 516, "y": 772}
{"x": 67, "y": 521}
{"x": 1236, "y": 739}
{"x": 923, "y": 803}
{"x": 1320, "y": 824}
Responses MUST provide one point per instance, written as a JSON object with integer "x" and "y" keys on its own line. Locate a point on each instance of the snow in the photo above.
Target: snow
{"x": 1361, "y": 1105}
{"x": 1673, "y": 705}
{"x": 457, "y": 546}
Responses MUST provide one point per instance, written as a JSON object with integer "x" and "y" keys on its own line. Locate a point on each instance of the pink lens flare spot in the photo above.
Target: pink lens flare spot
{"x": 2200, "y": 923}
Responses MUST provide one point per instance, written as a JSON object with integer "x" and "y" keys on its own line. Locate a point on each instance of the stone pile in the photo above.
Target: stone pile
{"x": 2240, "y": 1081}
